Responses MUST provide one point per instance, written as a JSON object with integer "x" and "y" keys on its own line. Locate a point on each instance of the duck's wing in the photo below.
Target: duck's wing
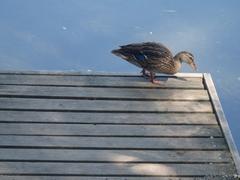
{"x": 147, "y": 51}
{"x": 149, "y": 55}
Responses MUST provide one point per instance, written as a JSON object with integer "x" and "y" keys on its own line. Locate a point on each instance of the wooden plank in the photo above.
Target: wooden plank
{"x": 102, "y": 81}
{"x": 112, "y": 142}
{"x": 102, "y": 93}
{"x": 85, "y": 73}
{"x": 55, "y": 177}
{"x": 179, "y": 76}
{"x": 31, "y": 177}
{"x": 107, "y": 118}
{"x": 144, "y": 169}
{"x": 111, "y": 130}
{"x": 222, "y": 120}
{"x": 68, "y": 155}
{"x": 58, "y": 177}
{"x": 104, "y": 105}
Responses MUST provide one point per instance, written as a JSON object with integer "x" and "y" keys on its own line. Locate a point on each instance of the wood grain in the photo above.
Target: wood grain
{"x": 59, "y": 177}
{"x": 102, "y": 93}
{"x": 143, "y": 169}
{"x": 103, "y": 81}
{"x": 222, "y": 120}
{"x": 110, "y": 130}
{"x": 104, "y": 105}
{"x": 81, "y": 155}
{"x": 107, "y": 118}
{"x": 112, "y": 142}
{"x": 70, "y": 126}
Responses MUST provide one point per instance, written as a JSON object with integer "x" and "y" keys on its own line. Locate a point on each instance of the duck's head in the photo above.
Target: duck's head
{"x": 188, "y": 58}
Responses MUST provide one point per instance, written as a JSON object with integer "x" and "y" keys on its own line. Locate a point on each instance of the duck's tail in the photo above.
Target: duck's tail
{"x": 116, "y": 52}
{"x": 119, "y": 53}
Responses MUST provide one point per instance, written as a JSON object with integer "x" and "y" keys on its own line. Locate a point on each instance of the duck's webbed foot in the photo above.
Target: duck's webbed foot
{"x": 153, "y": 80}
{"x": 145, "y": 73}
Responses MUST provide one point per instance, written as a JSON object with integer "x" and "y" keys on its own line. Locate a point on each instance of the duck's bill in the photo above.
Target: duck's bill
{"x": 194, "y": 67}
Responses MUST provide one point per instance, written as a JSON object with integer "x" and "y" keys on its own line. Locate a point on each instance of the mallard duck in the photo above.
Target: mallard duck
{"x": 154, "y": 58}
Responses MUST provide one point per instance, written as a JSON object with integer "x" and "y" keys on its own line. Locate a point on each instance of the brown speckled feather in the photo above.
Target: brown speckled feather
{"x": 154, "y": 58}
{"x": 157, "y": 57}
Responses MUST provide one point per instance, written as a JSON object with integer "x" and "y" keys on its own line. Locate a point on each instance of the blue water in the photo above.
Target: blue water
{"x": 79, "y": 34}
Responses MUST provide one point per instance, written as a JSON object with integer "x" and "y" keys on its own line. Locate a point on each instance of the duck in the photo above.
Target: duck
{"x": 153, "y": 57}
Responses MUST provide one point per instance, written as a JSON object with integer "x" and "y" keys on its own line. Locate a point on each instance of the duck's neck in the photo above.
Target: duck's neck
{"x": 177, "y": 62}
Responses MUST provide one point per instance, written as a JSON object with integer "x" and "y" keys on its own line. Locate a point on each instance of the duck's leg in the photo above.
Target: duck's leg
{"x": 154, "y": 81}
{"x": 145, "y": 73}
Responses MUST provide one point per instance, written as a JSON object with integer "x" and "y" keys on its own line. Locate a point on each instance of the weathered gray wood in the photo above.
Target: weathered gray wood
{"x": 114, "y": 155}
{"x": 112, "y": 142}
{"x": 91, "y": 73}
{"x": 15, "y": 177}
{"x": 153, "y": 143}
{"x": 110, "y": 130}
{"x": 104, "y": 105}
{"x": 147, "y": 169}
{"x": 106, "y": 93}
{"x": 222, "y": 120}
{"x": 55, "y": 177}
{"x": 118, "y": 81}
{"x": 107, "y": 118}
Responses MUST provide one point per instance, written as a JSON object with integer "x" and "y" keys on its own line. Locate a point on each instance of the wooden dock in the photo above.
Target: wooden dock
{"x": 70, "y": 126}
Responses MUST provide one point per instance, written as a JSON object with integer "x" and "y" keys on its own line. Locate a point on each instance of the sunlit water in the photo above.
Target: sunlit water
{"x": 79, "y": 34}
